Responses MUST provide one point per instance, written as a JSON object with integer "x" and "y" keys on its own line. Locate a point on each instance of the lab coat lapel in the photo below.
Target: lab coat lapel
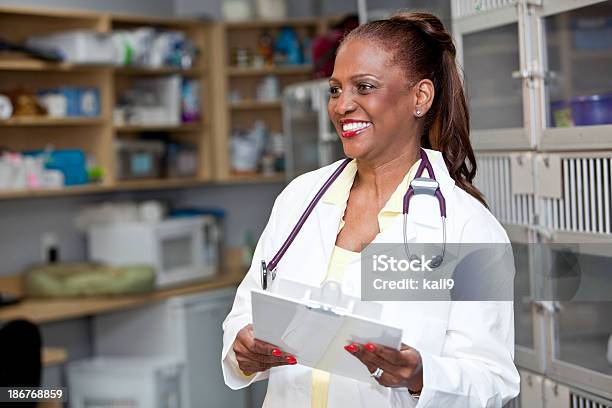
{"x": 328, "y": 220}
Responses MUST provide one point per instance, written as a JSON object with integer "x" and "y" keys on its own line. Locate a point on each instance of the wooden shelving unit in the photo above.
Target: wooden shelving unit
{"x": 186, "y": 127}
{"x": 50, "y": 122}
{"x": 271, "y": 70}
{"x": 253, "y": 105}
{"x": 242, "y": 113}
{"x": 192, "y": 72}
{"x": 96, "y": 136}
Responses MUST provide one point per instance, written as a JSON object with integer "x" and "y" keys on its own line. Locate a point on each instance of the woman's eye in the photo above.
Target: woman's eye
{"x": 334, "y": 91}
{"x": 364, "y": 88}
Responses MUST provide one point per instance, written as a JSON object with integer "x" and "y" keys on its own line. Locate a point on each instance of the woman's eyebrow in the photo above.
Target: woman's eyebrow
{"x": 357, "y": 76}
{"x": 354, "y": 77}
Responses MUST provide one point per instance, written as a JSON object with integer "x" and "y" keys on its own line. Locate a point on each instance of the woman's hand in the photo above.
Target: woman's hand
{"x": 401, "y": 368}
{"x": 255, "y": 355}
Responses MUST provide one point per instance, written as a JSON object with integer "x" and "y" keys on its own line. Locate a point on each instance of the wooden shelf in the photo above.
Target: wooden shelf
{"x": 255, "y": 178}
{"x": 188, "y": 127}
{"x": 28, "y": 64}
{"x": 35, "y": 121}
{"x": 263, "y": 24}
{"x": 53, "y": 356}
{"x": 255, "y": 105}
{"x": 276, "y": 70}
{"x": 158, "y": 71}
{"x": 150, "y": 184}
{"x": 55, "y": 192}
{"x": 140, "y": 185}
{"x": 138, "y": 20}
{"x": 48, "y": 310}
{"x": 156, "y": 184}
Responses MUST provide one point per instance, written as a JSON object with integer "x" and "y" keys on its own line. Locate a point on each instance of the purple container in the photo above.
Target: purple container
{"x": 592, "y": 110}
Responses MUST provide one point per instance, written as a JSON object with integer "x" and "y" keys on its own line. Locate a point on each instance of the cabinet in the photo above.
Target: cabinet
{"x": 576, "y": 54}
{"x": 187, "y": 328}
{"x": 537, "y": 75}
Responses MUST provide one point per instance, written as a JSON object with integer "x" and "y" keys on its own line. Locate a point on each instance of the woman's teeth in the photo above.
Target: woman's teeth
{"x": 353, "y": 126}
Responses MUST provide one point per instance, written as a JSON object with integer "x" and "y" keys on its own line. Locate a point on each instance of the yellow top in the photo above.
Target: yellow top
{"x": 338, "y": 194}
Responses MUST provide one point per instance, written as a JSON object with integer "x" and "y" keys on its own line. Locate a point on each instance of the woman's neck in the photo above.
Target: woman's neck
{"x": 381, "y": 178}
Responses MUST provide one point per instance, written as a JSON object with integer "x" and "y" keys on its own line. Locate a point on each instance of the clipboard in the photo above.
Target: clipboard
{"x": 316, "y": 332}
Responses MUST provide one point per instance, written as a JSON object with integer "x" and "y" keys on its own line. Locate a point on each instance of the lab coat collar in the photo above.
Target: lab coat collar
{"x": 424, "y": 212}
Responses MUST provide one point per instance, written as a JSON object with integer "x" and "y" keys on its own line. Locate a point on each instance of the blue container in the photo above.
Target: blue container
{"x": 71, "y": 162}
{"x": 80, "y": 101}
{"x": 287, "y": 48}
{"x": 89, "y": 102}
{"x": 592, "y": 110}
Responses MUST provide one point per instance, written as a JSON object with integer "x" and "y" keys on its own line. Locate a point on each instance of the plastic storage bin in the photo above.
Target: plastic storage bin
{"x": 139, "y": 159}
{"x": 126, "y": 382}
{"x": 80, "y": 46}
{"x": 71, "y": 162}
{"x": 182, "y": 160}
{"x": 592, "y": 110}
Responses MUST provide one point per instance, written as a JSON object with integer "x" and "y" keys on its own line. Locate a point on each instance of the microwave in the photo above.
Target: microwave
{"x": 180, "y": 250}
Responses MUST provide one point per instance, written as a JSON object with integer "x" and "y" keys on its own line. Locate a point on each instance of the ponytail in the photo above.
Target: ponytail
{"x": 425, "y": 49}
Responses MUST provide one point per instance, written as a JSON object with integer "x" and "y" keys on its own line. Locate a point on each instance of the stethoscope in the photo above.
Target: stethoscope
{"x": 418, "y": 185}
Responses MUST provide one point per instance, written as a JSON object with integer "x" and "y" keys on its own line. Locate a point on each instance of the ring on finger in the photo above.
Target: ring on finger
{"x": 377, "y": 373}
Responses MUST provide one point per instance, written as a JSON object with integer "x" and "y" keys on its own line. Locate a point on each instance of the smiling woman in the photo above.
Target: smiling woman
{"x": 397, "y": 103}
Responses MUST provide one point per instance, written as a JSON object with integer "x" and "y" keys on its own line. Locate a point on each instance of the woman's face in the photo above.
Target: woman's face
{"x": 371, "y": 103}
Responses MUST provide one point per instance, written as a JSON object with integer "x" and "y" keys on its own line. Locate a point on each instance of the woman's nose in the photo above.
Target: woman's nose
{"x": 344, "y": 104}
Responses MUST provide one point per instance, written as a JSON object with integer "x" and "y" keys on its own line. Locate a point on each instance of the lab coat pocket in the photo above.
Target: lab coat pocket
{"x": 423, "y": 323}
{"x": 288, "y": 386}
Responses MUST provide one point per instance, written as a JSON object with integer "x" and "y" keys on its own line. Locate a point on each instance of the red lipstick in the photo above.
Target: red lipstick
{"x": 352, "y": 132}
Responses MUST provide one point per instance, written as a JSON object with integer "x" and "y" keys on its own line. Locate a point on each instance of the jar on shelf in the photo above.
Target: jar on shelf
{"x": 236, "y": 10}
{"x": 271, "y": 9}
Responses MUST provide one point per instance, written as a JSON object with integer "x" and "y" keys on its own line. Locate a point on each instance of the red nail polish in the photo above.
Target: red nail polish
{"x": 370, "y": 347}
{"x": 351, "y": 348}
{"x": 276, "y": 352}
{"x": 291, "y": 360}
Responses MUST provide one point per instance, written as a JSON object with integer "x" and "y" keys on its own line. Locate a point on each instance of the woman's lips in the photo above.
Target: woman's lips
{"x": 354, "y": 132}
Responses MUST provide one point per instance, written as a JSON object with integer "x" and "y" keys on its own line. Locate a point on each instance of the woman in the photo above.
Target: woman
{"x": 395, "y": 89}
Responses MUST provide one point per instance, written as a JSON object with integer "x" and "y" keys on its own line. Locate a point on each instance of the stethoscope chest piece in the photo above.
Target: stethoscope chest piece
{"x": 266, "y": 275}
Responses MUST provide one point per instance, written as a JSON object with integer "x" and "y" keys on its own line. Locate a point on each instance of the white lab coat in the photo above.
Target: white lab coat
{"x": 467, "y": 348}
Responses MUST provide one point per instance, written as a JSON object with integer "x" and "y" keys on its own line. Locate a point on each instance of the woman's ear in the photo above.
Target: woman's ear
{"x": 424, "y": 94}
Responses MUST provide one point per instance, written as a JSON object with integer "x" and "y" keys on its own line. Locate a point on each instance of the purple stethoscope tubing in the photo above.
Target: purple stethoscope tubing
{"x": 270, "y": 268}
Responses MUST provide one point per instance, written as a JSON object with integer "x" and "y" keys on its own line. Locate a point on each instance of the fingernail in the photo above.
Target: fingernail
{"x": 276, "y": 352}
{"x": 291, "y": 360}
{"x": 370, "y": 347}
{"x": 351, "y": 348}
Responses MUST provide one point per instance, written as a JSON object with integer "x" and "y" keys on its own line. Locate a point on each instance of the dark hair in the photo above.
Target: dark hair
{"x": 424, "y": 49}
